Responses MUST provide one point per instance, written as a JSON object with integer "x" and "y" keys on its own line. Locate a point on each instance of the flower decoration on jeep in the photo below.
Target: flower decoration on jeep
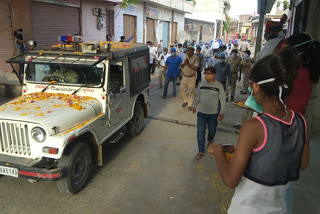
{"x": 30, "y": 104}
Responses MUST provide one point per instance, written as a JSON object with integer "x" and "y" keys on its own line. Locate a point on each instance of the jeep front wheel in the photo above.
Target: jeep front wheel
{"x": 136, "y": 124}
{"x": 76, "y": 166}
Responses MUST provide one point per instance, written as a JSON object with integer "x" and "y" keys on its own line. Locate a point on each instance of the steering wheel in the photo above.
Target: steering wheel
{"x": 56, "y": 78}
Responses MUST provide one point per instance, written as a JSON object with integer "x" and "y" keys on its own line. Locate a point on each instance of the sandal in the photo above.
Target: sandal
{"x": 199, "y": 156}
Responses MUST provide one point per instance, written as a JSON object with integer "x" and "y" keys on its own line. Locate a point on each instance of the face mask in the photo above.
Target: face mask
{"x": 252, "y": 103}
{"x": 198, "y": 53}
{"x": 221, "y": 60}
{"x": 175, "y": 44}
{"x": 185, "y": 49}
{"x": 246, "y": 55}
{"x": 173, "y": 54}
{"x": 207, "y": 46}
{"x": 209, "y": 77}
{"x": 234, "y": 54}
{"x": 165, "y": 52}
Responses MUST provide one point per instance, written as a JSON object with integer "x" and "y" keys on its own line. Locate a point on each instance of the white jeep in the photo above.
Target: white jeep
{"x": 72, "y": 102}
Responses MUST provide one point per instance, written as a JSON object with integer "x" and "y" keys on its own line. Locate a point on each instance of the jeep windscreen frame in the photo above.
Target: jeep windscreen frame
{"x": 66, "y": 74}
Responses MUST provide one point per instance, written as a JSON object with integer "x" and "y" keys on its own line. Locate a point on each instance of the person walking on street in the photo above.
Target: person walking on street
{"x": 199, "y": 71}
{"x": 152, "y": 57}
{"x": 188, "y": 82}
{"x": 207, "y": 54}
{"x": 234, "y": 60}
{"x": 162, "y": 64}
{"x": 245, "y": 69}
{"x": 223, "y": 72}
{"x": 160, "y": 47}
{"x": 208, "y": 97}
{"x": 171, "y": 72}
{"x": 244, "y": 46}
{"x": 272, "y": 147}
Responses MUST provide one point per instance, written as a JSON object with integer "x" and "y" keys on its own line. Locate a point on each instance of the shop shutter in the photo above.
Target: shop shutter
{"x": 7, "y": 47}
{"x": 50, "y": 20}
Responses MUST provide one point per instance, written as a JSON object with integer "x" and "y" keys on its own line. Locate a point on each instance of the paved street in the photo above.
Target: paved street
{"x": 152, "y": 173}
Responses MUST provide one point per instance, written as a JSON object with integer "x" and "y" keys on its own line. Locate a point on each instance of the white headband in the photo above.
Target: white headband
{"x": 266, "y": 81}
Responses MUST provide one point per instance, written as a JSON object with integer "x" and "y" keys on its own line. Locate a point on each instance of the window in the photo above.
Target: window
{"x": 116, "y": 74}
{"x": 65, "y": 73}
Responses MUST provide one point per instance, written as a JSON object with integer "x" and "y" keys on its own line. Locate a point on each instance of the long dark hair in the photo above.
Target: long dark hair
{"x": 309, "y": 50}
{"x": 282, "y": 66}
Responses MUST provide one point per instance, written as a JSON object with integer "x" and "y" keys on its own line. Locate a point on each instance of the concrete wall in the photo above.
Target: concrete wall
{"x": 181, "y": 5}
{"x": 179, "y": 18}
{"x": 165, "y": 15}
{"x": 192, "y": 28}
{"x": 133, "y": 10}
{"x": 90, "y": 32}
{"x": 313, "y": 28}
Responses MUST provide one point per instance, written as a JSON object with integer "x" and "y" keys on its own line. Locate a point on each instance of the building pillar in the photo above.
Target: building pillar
{"x": 259, "y": 35}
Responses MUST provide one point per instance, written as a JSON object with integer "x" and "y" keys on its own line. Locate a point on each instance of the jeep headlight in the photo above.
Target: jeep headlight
{"x": 38, "y": 134}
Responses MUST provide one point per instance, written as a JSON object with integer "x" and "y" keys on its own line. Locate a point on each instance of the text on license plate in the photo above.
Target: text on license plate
{"x": 9, "y": 171}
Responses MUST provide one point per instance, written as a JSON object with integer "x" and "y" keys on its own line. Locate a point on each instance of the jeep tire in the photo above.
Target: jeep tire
{"x": 76, "y": 167}
{"x": 136, "y": 124}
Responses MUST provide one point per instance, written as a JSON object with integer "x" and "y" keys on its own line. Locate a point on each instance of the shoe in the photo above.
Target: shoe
{"x": 174, "y": 97}
{"x": 232, "y": 98}
{"x": 163, "y": 97}
{"x": 243, "y": 92}
{"x": 184, "y": 105}
{"x": 227, "y": 100}
{"x": 178, "y": 83}
{"x": 189, "y": 108}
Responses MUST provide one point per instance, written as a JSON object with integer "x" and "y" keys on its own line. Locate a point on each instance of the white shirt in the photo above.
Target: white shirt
{"x": 207, "y": 52}
{"x": 216, "y": 45}
{"x": 152, "y": 52}
{"x": 162, "y": 62}
{"x": 244, "y": 46}
{"x": 269, "y": 47}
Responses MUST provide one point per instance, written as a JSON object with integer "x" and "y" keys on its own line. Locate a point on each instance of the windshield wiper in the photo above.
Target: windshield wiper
{"x": 51, "y": 83}
{"x": 83, "y": 86}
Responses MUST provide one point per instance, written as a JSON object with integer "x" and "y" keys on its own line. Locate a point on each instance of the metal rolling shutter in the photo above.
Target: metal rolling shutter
{"x": 7, "y": 47}
{"x": 49, "y": 21}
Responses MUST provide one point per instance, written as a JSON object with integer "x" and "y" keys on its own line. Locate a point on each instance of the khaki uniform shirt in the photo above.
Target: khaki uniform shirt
{"x": 234, "y": 63}
{"x": 194, "y": 60}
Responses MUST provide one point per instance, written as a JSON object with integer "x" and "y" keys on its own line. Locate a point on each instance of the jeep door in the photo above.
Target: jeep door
{"x": 118, "y": 90}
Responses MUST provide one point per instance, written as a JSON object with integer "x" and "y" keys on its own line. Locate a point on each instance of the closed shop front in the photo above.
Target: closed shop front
{"x": 51, "y": 20}
{"x": 174, "y": 32}
{"x": 6, "y": 38}
{"x": 165, "y": 34}
{"x": 151, "y": 30}
{"x": 130, "y": 27}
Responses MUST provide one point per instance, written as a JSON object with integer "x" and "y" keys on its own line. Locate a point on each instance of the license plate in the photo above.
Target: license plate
{"x": 9, "y": 171}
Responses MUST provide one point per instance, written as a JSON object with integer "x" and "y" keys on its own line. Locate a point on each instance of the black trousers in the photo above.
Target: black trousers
{"x": 198, "y": 77}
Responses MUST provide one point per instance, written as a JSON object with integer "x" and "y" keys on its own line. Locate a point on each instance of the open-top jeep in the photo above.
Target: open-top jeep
{"x": 72, "y": 102}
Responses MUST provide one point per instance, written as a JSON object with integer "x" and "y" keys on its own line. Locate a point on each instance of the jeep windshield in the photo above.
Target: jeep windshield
{"x": 65, "y": 74}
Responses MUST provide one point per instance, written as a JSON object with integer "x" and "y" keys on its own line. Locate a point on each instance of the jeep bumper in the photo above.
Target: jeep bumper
{"x": 15, "y": 170}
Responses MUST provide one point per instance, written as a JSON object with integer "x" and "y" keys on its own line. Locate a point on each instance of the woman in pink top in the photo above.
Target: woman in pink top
{"x": 308, "y": 72}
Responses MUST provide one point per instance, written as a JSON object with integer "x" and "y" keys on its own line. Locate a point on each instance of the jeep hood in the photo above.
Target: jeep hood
{"x": 55, "y": 112}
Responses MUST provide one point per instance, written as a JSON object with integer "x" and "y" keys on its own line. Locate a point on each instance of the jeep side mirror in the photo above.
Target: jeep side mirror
{"x": 115, "y": 87}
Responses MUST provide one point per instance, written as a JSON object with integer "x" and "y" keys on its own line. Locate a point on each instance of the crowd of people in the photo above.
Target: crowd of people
{"x": 272, "y": 146}
{"x": 230, "y": 61}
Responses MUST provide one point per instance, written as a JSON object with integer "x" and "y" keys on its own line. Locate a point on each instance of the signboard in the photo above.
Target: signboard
{"x": 69, "y": 3}
{"x": 152, "y": 12}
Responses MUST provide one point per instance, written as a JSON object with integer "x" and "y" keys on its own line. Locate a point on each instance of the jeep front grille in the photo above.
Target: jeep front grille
{"x": 14, "y": 139}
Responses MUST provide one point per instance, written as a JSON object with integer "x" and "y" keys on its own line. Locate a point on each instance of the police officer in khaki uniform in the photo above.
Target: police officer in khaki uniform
{"x": 188, "y": 82}
{"x": 234, "y": 60}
